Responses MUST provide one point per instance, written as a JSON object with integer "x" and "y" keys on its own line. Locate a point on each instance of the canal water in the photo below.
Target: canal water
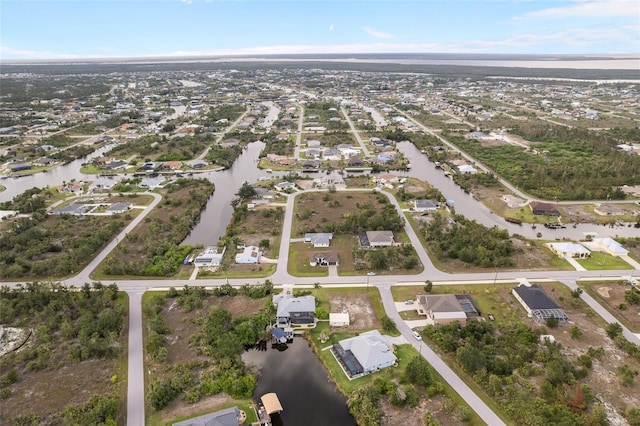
{"x": 217, "y": 213}
{"x": 302, "y": 384}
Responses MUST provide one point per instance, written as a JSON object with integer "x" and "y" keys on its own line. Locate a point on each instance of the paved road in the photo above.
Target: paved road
{"x": 222, "y": 135}
{"x": 296, "y": 149}
{"x": 365, "y": 151}
{"x": 482, "y": 409}
{"x": 135, "y": 379}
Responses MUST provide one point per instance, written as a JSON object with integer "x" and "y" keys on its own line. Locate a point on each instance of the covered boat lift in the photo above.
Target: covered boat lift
{"x": 271, "y": 403}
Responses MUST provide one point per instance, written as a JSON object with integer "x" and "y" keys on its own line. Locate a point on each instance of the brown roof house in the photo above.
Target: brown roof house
{"x": 324, "y": 258}
{"x": 446, "y": 308}
{"x": 545, "y": 209}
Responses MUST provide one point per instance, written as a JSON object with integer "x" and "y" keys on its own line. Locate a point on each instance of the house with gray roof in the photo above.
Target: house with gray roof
{"x": 425, "y": 206}
{"x": 294, "y": 311}
{"x": 74, "y": 209}
{"x": 117, "y": 208}
{"x": 228, "y": 417}
{"x": 322, "y": 239}
{"x": 152, "y": 183}
{"x": 364, "y": 354}
{"x": 446, "y": 308}
{"x": 379, "y": 238}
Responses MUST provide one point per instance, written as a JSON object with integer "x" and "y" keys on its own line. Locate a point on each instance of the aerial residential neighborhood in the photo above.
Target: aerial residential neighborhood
{"x": 365, "y": 241}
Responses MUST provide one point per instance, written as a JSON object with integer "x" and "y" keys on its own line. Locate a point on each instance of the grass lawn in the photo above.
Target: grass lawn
{"x": 601, "y": 261}
{"x": 615, "y": 291}
{"x": 298, "y": 264}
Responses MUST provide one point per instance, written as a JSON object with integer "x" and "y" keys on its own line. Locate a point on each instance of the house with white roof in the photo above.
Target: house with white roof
{"x": 425, "y": 206}
{"x": 250, "y": 255}
{"x": 364, "y": 354}
{"x": 210, "y": 257}
{"x": 609, "y": 245}
{"x": 572, "y": 250}
{"x": 320, "y": 239}
{"x": 467, "y": 168}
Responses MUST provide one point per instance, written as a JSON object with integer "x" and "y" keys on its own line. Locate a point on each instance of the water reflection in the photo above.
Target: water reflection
{"x": 301, "y": 382}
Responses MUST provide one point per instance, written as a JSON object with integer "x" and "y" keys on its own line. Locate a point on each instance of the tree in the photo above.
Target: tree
{"x": 575, "y": 332}
{"x": 428, "y": 286}
{"x": 246, "y": 191}
{"x": 576, "y": 293}
{"x": 613, "y": 330}
{"x": 264, "y": 244}
{"x": 552, "y": 322}
{"x": 388, "y": 324}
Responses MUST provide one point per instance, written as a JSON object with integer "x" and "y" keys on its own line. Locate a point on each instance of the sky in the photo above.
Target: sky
{"x": 55, "y": 29}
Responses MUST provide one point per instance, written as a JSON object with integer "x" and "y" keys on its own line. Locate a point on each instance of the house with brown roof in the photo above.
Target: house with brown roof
{"x": 324, "y": 258}
{"x": 446, "y": 308}
{"x": 544, "y": 209}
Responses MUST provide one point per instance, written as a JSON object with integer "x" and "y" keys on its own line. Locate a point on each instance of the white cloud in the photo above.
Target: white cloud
{"x": 187, "y": 1}
{"x": 8, "y": 52}
{"x": 581, "y": 9}
{"x": 377, "y": 34}
{"x": 331, "y": 27}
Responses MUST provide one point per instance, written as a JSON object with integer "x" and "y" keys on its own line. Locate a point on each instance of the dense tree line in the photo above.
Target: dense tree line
{"x": 162, "y": 149}
{"x": 570, "y": 163}
{"x": 469, "y": 241}
{"x": 535, "y": 384}
{"x": 157, "y": 251}
{"x": 224, "y": 156}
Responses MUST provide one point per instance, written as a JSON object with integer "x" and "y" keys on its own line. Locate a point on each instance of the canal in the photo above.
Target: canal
{"x": 301, "y": 382}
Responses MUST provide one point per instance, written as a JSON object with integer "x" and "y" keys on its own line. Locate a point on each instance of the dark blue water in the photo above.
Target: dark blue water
{"x": 302, "y": 384}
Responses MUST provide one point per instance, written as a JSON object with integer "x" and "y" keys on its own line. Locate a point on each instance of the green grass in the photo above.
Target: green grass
{"x": 298, "y": 264}
{"x": 262, "y": 270}
{"x": 603, "y": 261}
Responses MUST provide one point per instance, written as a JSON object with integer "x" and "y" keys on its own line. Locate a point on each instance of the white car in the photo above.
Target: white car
{"x": 371, "y": 274}
{"x": 416, "y": 335}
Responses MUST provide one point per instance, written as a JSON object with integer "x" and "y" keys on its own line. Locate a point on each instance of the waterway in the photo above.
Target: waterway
{"x": 301, "y": 382}
{"x": 53, "y": 177}
{"x": 217, "y": 213}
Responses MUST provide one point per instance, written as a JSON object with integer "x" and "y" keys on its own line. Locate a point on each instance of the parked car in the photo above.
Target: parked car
{"x": 408, "y": 302}
{"x": 416, "y": 335}
{"x": 371, "y": 274}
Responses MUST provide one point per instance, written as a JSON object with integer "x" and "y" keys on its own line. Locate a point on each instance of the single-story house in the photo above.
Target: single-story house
{"x": 103, "y": 183}
{"x": 322, "y": 239}
{"x": 379, "y": 238}
{"x": 294, "y": 311}
{"x": 572, "y": 250}
{"x": 331, "y": 154}
{"x": 20, "y": 167}
{"x": 609, "y": 245}
{"x": 211, "y": 256}
{"x": 538, "y": 305}
{"x": 44, "y": 161}
{"x": 545, "y": 209}
{"x": 250, "y": 255}
{"x": 264, "y": 193}
{"x": 197, "y": 164}
{"x": 313, "y": 154}
{"x": 332, "y": 179}
{"x": 608, "y": 210}
{"x": 425, "y": 206}
{"x": 364, "y": 354}
{"x": 152, "y": 183}
{"x": 339, "y": 319}
{"x": 228, "y": 417}
{"x": 74, "y": 209}
{"x": 172, "y": 165}
{"x": 324, "y": 258}
{"x": 467, "y": 168}
{"x": 446, "y": 308}
{"x": 117, "y": 208}
{"x": 285, "y": 185}
{"x": 311, "y": 166}
{"x": 355, "y": 162}
{"x": 314, "y": 143}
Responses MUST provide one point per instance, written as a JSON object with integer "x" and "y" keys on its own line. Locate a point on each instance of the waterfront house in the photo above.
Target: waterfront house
{"x": 364, "y": 354}
{"x": 250, "y": 255}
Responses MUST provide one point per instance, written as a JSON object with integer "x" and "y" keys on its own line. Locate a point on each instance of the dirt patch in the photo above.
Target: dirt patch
{"x": 359, "y": 305}
{"x": 393, "y": 416}
{"x": 46, "y": 392}
{"x": 612, "y": 297}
